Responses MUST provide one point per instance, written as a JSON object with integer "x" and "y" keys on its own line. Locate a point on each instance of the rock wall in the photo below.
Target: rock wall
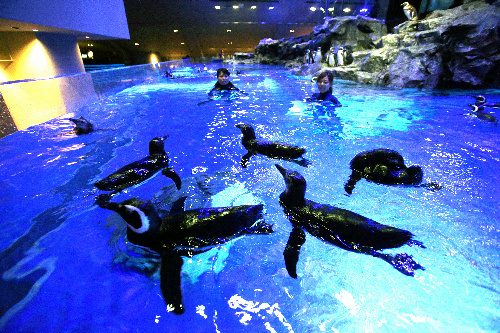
{"x": 454, "y": 48}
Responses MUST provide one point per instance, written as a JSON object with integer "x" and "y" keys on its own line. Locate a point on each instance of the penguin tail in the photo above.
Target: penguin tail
{"x": 402, "y": 262}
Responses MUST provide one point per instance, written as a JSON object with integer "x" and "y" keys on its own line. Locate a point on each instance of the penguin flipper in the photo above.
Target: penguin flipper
{"x": 245, "y": 158}
{"x": 170, "y": 281}
{"x": 178, "y": 205}
{"x": 170, "y": 173}
{"x": 353, "y": 179}
{"x": 302, "y": 162}
{"x": 292, "y": 249}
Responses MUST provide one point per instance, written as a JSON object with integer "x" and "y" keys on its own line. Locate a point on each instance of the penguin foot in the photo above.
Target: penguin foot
{"x": 402, "y": 262}
{"x": 431, "y": 186}
{"x": 103, "y": 199}
{"x": 302, "y": 162}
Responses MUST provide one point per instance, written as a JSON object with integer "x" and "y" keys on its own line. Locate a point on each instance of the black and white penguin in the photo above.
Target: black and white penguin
{"x": 478, "y": 111}
{"x": 272, "y": 149}
{"x": 137, "y": 172}
{"x": 82, "y": 125}
{"x": 481, "y": 101}
{"x": 410, "y": 11}
{"x": 340, "y": 227}
{"x": 184, "y": 233}
{"x": 340, "y": 55}
{"x": 384, "y": 166}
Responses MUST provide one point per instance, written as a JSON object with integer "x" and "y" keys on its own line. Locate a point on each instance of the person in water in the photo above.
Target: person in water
{"x": 324, "y": 82}
{"x": 223, "y": 82}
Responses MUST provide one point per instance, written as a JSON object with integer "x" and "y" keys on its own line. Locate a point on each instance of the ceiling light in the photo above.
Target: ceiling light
{"x": 312, "y": 9}
{"x": 363, "y": 10}
{"x": 236, "y": 6}
{"x": 253, "y": 7}
{"x": 217, "y": 7}
{"x": 228, "y": 30}
{"x": 176, "y": 30}
{"x": 136, "y": 44}
{"x": 292, "y": 30}
{"x": 347, "y": 10}
{"x": 182, "y": 43}
{"x": 35, "y": 29}
{"x": 271, "y": 7}
{"x": 330, "y": 9}
{"x": 87, "y": 37}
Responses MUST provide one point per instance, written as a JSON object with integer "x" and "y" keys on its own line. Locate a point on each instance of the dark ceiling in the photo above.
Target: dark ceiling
{"x": 174, "y": 29}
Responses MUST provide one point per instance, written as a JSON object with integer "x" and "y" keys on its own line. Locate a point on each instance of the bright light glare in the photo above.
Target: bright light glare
{"x": 330, "y": 9}
{"x": 363, "y": 10}
{"x": 312, "y": 9}
{"x": 271, "y": 8}
{"x": 347, "y": 10}
{"x": 236, "y": 7}
{"x": 217, "y": 7}
{"x": 176, "y": 30}
{"x": 253, "y": 7}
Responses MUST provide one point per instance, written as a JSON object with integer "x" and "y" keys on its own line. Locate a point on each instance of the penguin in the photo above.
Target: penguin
{"x": 82, "y": 125}
{"x": 331, "y": 57}
{"x": 184, "y": 233}
{"x": 478, "y": 111}
{"x": 272, "y": 149}
{"x": 385, "y": 166}
{"x": 410, "y": 11}
{"x": 340, "y": 56}
{"x": 340, "y": 227}
{"x": 317, "y": 55}
{"x": 137, "y": 172}
{"x": 481, "y": 101}
{"x": 311, "y": 57}
{"x": 307, "y": 56}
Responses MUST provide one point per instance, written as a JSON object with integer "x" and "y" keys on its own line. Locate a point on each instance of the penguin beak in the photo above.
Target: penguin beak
{"x": 240, "y": 126}
{"x": 281, "y": 170}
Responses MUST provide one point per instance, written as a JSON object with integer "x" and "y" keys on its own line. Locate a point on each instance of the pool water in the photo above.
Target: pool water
{"x": 67, "y": 267}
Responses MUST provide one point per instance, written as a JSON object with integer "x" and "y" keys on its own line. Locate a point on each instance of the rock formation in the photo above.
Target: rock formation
{"x": 454, "y": 48}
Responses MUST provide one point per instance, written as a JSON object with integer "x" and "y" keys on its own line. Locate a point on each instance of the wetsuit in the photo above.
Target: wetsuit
{"x": 325, "y": 97}
{"x": 228, "y": 86}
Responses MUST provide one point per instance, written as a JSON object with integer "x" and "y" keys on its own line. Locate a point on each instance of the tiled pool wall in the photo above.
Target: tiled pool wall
{"x": 30, "y": 102}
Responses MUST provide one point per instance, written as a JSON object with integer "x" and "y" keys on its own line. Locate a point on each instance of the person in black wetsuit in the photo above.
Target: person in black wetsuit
{"x": 325, "y": 81}
{"x": 223, "y": 82}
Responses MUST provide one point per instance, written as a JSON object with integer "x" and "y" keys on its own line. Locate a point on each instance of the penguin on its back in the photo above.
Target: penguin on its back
{"x": 272, "y": 149}
{"x": 340, "y": 227}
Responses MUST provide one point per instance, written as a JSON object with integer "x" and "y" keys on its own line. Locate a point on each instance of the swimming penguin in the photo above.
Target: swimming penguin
{"x": 340, "y": 227}
{"x": 136, "y": 172}
{"x": 410, "y": 11}
{"x": 481, "y": 101}
{"x": 184, "y": 233}
{"x": 384, "y": 166}
{"x": 478, "y": 111}
{"x": 272, "y": 149}
{"x": 82, "y": 125}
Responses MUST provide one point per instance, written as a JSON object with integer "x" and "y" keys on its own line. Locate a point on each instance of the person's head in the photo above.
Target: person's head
{"x": 223, "y": 76}
{"x": 325, "y": 81}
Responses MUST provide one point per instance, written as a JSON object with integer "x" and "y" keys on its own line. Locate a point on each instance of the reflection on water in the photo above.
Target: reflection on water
{"x": 67, "y": 266}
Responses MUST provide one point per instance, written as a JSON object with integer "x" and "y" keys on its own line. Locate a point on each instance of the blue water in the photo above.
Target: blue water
{"x": 66, "y": 266}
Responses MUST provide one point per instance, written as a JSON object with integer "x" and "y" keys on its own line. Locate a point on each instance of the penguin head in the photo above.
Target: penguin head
{"x": 138, "y": 214}
{"x": 157, "y": 145}
{"x": 415, "y": 174}
{"x": 295, "y": 185}
{"x": 404, "y": 4}
{"x": 247, "y": 130}
{"x": 82, "y": 125}
{"x": 480, "y": 99}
